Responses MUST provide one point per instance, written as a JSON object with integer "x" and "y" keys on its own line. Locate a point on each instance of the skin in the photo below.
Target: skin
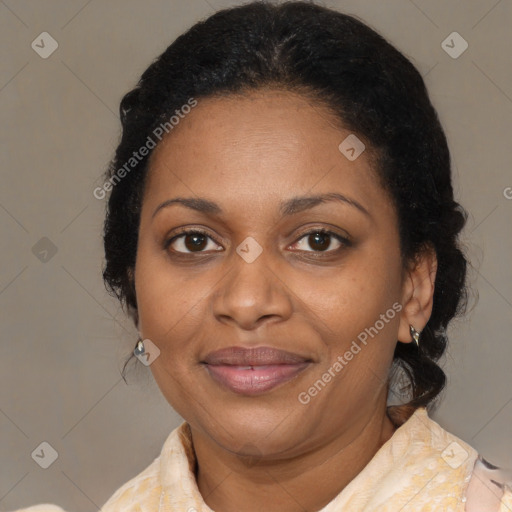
{"x": 247, "y": 154}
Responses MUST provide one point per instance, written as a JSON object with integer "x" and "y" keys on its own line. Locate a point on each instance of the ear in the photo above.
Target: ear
{"x": 417, "y": 293}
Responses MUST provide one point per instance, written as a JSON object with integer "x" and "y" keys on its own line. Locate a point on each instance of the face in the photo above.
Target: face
{"x": 291, "y": 291}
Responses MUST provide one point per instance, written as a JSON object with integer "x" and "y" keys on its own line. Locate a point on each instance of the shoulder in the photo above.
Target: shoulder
{"x": 506, "y": 501}
{"x": 139, "y": 494}
{"x": 490, "y": 488}
{"x": 484, "y": 486}
{"x": 143, "y": 492}
{"x": 43, "y": 507}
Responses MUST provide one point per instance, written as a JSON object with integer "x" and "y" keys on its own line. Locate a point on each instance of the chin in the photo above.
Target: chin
{"x": 254, "y": 430}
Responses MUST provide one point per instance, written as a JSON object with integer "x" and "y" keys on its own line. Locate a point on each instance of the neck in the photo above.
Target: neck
{"x": 308, "y": 482}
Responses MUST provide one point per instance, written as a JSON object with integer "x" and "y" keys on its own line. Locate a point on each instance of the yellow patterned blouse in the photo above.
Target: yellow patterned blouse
{"x": 421, "y": 468}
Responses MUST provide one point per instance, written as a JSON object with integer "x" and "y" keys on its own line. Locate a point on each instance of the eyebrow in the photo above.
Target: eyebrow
{"x": 287, "y": 208}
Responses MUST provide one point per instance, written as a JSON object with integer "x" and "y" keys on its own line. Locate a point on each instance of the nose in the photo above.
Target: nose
{"x": 252, "y": 293}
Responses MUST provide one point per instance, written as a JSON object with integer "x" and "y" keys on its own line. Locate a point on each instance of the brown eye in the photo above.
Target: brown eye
{"x": 190, "y": 242}
{"x": 320, "y": 240}
{"x": 196, "y": 241}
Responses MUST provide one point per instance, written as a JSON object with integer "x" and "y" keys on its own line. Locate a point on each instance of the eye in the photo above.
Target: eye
{"x": 194, "y": 240}
{"x": 320, "y": 240}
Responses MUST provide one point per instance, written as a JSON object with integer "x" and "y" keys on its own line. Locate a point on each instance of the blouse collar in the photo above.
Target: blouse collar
{"x": 419, "y": 455}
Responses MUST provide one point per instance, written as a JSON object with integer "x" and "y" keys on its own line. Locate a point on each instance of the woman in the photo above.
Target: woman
{"x": 282, "y": 229}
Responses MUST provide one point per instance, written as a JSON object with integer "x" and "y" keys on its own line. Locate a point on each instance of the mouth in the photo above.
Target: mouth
{"x": 253, "y": 371}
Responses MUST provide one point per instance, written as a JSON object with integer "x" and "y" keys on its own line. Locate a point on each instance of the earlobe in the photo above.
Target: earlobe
{"x": 418, "y": 295}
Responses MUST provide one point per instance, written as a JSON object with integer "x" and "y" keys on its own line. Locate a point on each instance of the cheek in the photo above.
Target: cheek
{"x": 169, "y": 316}
{"x": 358, "y": 321}
{"x": 169, "y": 306}
{"x": 358, "y": 311}
{"x": 353, "y": 298}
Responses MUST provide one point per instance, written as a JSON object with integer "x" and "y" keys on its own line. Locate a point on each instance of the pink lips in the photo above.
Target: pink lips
{"x": 255, "y": 370}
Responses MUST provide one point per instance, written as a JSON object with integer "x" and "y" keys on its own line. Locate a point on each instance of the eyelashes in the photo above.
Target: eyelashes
{"x": 188, "y": 233}
{"x": 200, "y": 240}
{"x": 343, "y": 241}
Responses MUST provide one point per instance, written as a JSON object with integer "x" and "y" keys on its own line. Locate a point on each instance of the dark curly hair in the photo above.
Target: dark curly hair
{"x": 374, "y": 91}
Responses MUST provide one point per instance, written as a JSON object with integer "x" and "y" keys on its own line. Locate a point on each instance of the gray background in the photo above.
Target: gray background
{"x": 64, "y": 338}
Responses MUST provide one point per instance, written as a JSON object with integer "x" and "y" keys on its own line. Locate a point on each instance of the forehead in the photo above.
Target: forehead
{"x": 264, "y": 144}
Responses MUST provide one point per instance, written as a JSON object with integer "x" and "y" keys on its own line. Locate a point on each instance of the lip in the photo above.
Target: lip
{"x": 252, "y": 371}
{"x": 257, "y": 356}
